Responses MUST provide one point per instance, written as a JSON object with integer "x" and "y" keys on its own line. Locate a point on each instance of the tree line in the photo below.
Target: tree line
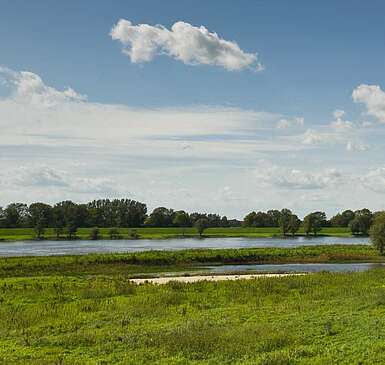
{"x": 358, "y": 221}
{"x": 120, "y": 213}
{"x": 131, "y": 214}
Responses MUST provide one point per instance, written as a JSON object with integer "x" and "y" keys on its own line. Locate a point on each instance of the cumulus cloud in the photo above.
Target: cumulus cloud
{"x": 283, "y": 177}
{"x": 338, "y": 113}
{"x": 373, "y": 97}
{"x": 288, "y": 123}
{"x": 339, "y": 131}
{"x": 27, "y": 87}
{"x": 342, "y": 125}
{"x": 314, "y": 137}
{"x": 184, "y": 42}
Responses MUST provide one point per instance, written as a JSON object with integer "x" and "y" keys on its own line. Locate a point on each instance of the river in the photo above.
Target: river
{"x": 47, "y": 248}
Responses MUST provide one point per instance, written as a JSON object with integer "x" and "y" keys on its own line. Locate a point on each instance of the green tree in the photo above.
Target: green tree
{"x": 377, "y": 232}
{"x": 201, "y": 225}
{"x": 354, "y": 226}
{"x": 95, "y": 233}
{"x": 71, "y": 230}
{"x": 249, "y": 220}
{"x": 224, "y": 222}
{"x": 314, "y": 222}
{"x": 58, "y": 220}
{"x": 284, "y": 221}
{"x": 40, "y": 217}
{"x": 39, "y": 229}
{"x": 342, "y": 219}
{"x": 160, "y": 217}
{"x": 364, "y": 220}
{"x": 16, "y": 215}
{"x": 114, "y": 233}
{"x": 294, "y": 224}
{"x": 182, "y": 220}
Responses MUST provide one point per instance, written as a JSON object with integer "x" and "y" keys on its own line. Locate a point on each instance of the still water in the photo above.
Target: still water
{"x": 43, "y": 248}
{"x": 294, "y": 268}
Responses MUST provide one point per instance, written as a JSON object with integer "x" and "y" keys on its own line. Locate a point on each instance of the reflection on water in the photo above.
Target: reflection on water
{"x": 42, "y": 248}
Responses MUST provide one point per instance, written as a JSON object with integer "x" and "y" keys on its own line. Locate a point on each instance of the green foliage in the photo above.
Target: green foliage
{"x": 114, "y": 233}
{"x": 361, "y": 222}
{"x": 294, "y": 224}
{"x": 314, "y": 319}
{"x": 201, "y": 225}
{"x": 342, "y": 219}
{"x": 95, "y": 234}
{"x": 284, "y": 221}
{"x": 314, "y": 222}
{"x": 181, "y": 219}
{"x": 377, "y": 233}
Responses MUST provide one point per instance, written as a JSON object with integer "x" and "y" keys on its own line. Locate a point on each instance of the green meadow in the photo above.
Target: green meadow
{"x": 101, "y": 318}
{"x": 84, "y": 310}
{"x": 17, "y": 234}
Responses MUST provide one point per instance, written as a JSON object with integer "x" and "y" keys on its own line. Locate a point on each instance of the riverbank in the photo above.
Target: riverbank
{"x": 23, "y": 234}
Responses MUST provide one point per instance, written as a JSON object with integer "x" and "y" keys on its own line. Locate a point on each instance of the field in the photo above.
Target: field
{"x": 84, "y": 310}
{"x": 81, "y": 311}
{"x": 17, "y": 234}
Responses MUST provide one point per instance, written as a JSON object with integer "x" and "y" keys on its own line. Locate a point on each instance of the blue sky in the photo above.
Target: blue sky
{"x": 315, "y": 54}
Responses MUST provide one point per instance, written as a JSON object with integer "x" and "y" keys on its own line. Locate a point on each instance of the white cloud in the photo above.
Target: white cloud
{"x": 40, "y": 176}
{"x": 184, "y": 42}
{"x": 338, "y": 113}
{"x": 338, "y": 132}
{"x": 42, "y": 115}
{"x": 342, "y": 125}
{"x": 373, "y": 98}
{"x": 375, "y": 180}
{"x": 72, "y": 148}
{"x": 288, "y": 123}
{"x": 287, "y": 178}
{"x": 313, "y": 137}
{"x": 356, "y": 146}
{"x": 29, "y": 88}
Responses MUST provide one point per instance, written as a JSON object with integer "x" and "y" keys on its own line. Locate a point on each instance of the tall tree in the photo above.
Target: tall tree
{"x": 160, "y": 217}
{"x": 377, "y": 232}
{"x": 16, "y": 215}
{"x": 314, "y": 222}
{"x": 201, "y": 225}
{"x": 284, "y": 221}
{"x": 182, "y": 220}
{"x": 294, "y": 224}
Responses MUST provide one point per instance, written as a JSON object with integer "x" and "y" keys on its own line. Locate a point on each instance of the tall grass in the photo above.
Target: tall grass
{"x": 316, "y": 319}
{"x": 175, "y": 260}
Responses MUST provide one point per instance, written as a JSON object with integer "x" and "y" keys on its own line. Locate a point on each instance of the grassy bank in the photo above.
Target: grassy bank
{"x": 156, "y": 261}
{"x": 314, "y": 319}
{"x": 18, "y": 234}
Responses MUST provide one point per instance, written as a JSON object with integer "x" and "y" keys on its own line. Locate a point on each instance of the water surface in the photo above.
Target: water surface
{"x": 47, "y": 248}
{"x": 294, "y": 268}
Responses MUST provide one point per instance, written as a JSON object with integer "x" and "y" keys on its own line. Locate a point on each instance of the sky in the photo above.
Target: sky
{"x": 216, "y": 106}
